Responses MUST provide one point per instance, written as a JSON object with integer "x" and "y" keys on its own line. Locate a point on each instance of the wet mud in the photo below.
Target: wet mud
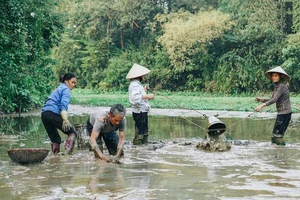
{"x": 173, "y": 169}
{"x": 171, "y": 166}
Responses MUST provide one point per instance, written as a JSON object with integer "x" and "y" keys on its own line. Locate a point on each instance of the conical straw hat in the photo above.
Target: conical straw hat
{"x": 137, "y": 71}
{"x": 279, "y": 70}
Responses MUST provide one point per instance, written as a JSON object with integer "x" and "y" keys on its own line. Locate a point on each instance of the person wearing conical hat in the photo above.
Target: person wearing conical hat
{"x": 281, "y": 97}
{"x": 139, "y": 101}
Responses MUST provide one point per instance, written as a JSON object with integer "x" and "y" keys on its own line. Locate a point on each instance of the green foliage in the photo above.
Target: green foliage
{"x": 25, "y": 40}
{"x": 296, "y": 16}
{"x": 186, "y": 34}
{"x": 191, "y": 41}
{"x": 254, "y": 47}
{"x": 120, "y": 65}
{"x": 178, "y": 100}
{"x": 291, "y": 55}
{"x": 216, "y": 46}
{"x": 192, "y": 6}
{"x": 96, "y": 32}
{"x": 116, "y": 69}
{"x": 86, "y": 58}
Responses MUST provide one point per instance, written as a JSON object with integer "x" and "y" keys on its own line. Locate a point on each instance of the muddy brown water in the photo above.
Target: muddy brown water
{"x": 171, "y": 167}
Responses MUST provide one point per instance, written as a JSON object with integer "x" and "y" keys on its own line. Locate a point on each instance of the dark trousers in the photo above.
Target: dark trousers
{"x": 52, "y": 122}
{"x": 141, "y": 123}
{"x": 111, "y": 140}
{"x": 281, "y": 124}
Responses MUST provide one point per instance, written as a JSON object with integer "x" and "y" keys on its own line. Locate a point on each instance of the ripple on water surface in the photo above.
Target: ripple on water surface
{"x": 168, "y": 170}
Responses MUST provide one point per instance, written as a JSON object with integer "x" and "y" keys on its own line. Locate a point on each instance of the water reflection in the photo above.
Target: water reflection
{"x": 170, "y": 169}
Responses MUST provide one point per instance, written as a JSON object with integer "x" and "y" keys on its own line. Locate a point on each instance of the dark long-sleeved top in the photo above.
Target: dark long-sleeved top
{"x": 281, "y": 96}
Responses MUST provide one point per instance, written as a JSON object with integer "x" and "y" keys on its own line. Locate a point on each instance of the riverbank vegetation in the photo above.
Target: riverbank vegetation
{"x": 180, "y": 100}
{"x": 208, "y": 47}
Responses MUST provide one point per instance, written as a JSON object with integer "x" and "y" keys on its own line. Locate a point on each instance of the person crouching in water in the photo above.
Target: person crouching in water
{"x": 282, "y": 98}
{"x": 139, "y": 101}
{"x": 103, "y": 125}
{"x": 55, "y": 116}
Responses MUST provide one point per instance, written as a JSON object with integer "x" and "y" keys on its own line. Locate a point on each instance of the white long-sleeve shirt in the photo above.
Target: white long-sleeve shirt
{"x": 136, "y": 91}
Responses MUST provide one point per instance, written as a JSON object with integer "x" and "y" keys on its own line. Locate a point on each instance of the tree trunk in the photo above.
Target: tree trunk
{"x": 121, "y": 38}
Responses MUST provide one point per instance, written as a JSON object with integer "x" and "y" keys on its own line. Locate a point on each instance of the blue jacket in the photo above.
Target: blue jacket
{"x": 58, "y": 100}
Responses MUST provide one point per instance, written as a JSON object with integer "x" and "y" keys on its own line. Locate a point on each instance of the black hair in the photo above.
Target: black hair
{"x": 140, "y": 78}
{"x": 66, "y": 77}
{"x": 117, "y": 109}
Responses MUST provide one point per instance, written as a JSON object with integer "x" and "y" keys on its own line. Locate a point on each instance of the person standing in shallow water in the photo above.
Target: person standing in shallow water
{"x": 103, "y": 125}
{"x": 139, "y": 101}
{"x": 55, "y": 116}
{"x": 281, "y": 97}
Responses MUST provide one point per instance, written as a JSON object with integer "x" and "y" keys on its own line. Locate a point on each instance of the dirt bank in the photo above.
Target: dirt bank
{"x": 84, "y": 110}
{"x": 78, "y": 110}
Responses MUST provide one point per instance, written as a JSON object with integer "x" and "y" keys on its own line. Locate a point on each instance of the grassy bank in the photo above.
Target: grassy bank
{"x": 190, "y": 101}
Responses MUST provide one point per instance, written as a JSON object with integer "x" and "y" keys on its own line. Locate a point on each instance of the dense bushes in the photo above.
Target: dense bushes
{"x": 220, "y": 46}
{"x": 29, "y": 29}
{"x": 215, "y": 46}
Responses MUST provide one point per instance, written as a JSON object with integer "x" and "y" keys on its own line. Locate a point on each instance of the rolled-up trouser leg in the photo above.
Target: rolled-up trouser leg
{"x": 70, "y": 142}
{"x": 280, "y": 126}
{"x": 141, "y": 126}
{"x": 55, "y": 147}
{"x": 145, "y": 127}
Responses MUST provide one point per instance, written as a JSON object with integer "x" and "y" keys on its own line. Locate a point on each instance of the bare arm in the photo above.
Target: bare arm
{"x": 148, "y": 96}
{"x": 121, "y": 139}
{"x": 258, "y": 108}
{"x": 260, "y": 99}
{"x": 120, "y": 147}
{"x": 95, "y": 146}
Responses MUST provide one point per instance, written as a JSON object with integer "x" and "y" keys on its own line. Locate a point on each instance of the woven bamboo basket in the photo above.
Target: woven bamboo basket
{"x": 28, "y": 155}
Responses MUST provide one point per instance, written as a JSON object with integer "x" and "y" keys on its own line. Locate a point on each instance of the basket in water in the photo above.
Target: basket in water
{"x": 215, "y": 127}
{"x": 28, "y": 155}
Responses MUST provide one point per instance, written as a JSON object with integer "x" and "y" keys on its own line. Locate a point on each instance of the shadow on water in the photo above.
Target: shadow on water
{"x": 170, "y": 168}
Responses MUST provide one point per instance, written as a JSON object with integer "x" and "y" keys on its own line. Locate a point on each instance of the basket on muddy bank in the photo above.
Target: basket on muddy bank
{"x": 28, "y": 155}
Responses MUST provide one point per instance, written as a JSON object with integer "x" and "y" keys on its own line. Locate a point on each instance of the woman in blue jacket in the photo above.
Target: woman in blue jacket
{"x": 55, "y": 115}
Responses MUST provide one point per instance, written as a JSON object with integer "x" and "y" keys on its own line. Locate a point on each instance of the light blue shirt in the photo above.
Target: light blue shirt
{"x": 136, "y": 91}
{"x": 58, "y": 100}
